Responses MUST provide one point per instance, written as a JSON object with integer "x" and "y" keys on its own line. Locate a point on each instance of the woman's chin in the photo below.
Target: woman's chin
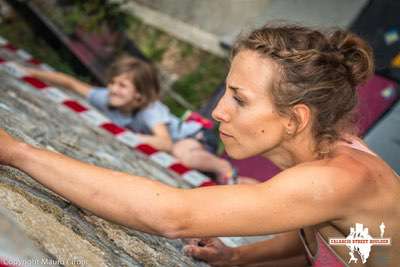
{"x": 236, "y": 154}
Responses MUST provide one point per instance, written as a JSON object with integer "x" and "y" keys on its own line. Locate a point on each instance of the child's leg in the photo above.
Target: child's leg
{"x": 193, "y": 155}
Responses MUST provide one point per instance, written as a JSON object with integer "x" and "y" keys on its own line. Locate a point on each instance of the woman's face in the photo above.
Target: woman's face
{"x": 123, "y": 94}
{"x": 249, "y": 123}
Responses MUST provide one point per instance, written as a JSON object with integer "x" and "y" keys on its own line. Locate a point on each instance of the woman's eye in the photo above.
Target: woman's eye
{"x": 239, "y": 101}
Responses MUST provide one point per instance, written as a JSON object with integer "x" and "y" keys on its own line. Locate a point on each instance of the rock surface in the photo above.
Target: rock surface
{"x": 59, "y": 231}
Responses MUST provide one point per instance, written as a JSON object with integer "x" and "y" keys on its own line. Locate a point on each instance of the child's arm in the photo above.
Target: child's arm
{"x": 160, "y": 139}
{"x": 60, "y": 79}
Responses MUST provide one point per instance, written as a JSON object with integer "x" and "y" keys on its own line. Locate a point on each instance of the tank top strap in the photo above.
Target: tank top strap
{"x": 356, "y": 144}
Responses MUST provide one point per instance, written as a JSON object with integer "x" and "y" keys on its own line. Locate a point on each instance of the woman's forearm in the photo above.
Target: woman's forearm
{"x": 113, "y": 195}
{"x": 282, "y": 246}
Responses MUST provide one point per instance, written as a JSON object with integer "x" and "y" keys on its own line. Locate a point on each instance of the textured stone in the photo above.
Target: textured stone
{"x": 62, "y": 233}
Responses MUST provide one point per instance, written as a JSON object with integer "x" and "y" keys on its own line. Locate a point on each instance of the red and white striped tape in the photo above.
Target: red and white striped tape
{"x": 194, "y": 178}
{"x": 4, "y": 264}
{"x": 23, "y": 54}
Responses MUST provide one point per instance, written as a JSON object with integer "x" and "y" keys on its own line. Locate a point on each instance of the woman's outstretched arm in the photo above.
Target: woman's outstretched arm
{"x": 133, "y": 201}
{"x": 279, "y": 205}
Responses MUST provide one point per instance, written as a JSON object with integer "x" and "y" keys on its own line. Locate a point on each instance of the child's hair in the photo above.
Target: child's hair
{"x": 319, "y": 69}
{"x": 143, "y": 76}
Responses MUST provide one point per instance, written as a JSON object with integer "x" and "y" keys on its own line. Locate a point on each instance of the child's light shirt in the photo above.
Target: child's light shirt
{"x": 146, "y": 119}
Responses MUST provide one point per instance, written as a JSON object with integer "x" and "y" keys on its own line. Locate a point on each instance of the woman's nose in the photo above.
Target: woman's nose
{"x": 220, "y": 113}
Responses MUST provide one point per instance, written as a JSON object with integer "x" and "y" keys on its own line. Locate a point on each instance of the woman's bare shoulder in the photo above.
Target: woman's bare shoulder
{"x": 338, "y": 168}
{"x": 327, "y": 176}
{"x": 343, "y": 175}
{"x": 357, "y": 177}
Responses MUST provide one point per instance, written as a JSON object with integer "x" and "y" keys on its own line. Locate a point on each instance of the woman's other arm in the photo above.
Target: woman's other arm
{"x": 283, "y": 247}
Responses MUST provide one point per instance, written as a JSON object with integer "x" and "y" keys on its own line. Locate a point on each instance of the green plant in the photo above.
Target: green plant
{"x": 152, "y": 42}
{"x": 92, "y": 15}
{"x": 19, "y": 33}
{"x": 174, "y": 106}
{"x": 197, "y": 86}
{"x": 186, "y": 49}
{"x": 151, "y": 46}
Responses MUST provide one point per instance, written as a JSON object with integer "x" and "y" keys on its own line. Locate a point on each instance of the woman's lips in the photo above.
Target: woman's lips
{"x": 222, "y": 134}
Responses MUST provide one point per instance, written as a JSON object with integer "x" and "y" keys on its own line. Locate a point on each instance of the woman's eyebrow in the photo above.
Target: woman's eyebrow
{"x": 235, "y": 89}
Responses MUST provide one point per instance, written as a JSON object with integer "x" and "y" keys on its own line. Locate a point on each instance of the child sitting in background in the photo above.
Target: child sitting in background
{"x": 131, "y": 100}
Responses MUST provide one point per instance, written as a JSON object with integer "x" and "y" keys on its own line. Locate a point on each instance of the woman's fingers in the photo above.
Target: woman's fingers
{"x": 5, "y": 141}
{"x": 201, "y": 242}
{"x": 202, "y": 253}
{"x": 210, "y": 250}
{"x": 192, "y": 241}
{"x": 7, "y": 147}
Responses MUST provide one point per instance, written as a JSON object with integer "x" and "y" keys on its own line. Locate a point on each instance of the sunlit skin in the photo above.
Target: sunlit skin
{"x": 249, "y": 122}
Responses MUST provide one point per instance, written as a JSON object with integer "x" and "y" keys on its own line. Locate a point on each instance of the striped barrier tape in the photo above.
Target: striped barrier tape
{"x": 23, "y": 55}
{"x": 93, "y": 117}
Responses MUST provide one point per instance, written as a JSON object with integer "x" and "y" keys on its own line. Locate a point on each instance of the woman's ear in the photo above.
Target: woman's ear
{"x": 303, "y": 118}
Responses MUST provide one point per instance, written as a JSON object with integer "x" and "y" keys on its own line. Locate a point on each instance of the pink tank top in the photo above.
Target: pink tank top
{"x": 354, "y": 143}
{"x": 325, "y": 256}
